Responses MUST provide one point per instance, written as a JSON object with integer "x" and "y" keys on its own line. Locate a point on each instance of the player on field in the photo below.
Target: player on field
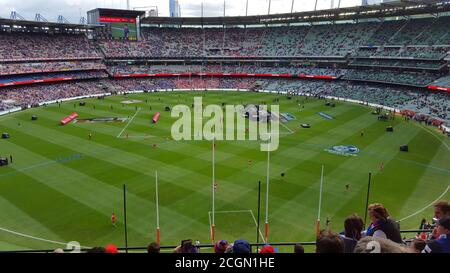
{"x": 113, "y": 219}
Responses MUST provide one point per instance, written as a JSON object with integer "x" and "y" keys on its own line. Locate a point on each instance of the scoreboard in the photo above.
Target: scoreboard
{"x": 119, "y": 28}
{"x": 116, "y": 24}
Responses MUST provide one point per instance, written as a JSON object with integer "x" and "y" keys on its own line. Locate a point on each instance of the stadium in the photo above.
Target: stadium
{"x": 356, "y": 99}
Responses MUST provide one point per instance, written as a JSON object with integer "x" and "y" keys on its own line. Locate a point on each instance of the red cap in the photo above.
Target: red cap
{"x": 111, "y": 249}
{"x": 267, "y": 249}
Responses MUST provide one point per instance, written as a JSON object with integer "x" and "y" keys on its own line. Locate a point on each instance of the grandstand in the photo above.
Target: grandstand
{"x": 393, "y": 58}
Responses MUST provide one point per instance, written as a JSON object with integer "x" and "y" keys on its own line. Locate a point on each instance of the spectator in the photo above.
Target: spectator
{"x": 382, "y": 225}
{"x": 441, "y": 209}
{"x": 329, "y": 242}
{"x": 186, "y": 247}
{"x": 97, "y": 250}
{"x": 268, "y": 249}
{"x": 221, "y": 246}
{"x": 153, "y": 248}
{"x": 353, "y": 226}
{"x": 241, "y": 247}
{"x": 111, "y": 249}
{"x": 299, "y": 249}
{"x": 379, "y": 245}
{"x": 442, "y": 244}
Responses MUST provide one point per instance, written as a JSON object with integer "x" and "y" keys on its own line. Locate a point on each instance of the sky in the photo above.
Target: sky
{"x": 72, "y": 10}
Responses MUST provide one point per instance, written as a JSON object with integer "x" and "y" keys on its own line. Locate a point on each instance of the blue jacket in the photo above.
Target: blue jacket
{"x": 441, "y": 245}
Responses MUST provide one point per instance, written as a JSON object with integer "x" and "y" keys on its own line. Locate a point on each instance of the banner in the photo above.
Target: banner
{"x": 69, "y": 119}
{"x": 36, "y": 81}
{"x": 432, "y": 87}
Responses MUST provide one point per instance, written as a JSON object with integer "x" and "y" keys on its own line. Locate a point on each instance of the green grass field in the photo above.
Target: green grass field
{"x": 63, "y": 187}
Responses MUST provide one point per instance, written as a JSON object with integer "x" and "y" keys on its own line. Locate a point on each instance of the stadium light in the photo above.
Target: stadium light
{"x": 246, "y": 9}
{"x": 224, "y": 7}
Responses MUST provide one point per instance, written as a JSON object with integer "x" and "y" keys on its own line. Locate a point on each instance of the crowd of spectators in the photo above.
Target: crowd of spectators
{"x": 404, "y": 38}
{"x": 79, "y": 75}
{"x": 244, "y": 68}
{"x": 397, "y": 63}
{"x": 432, "y": 104}
{"x": 330, "y": 40}
{"x": 13, "y": 97}
{"x": 421, "y": 79}
{"x": 404, "y": 53}
{"x": 48, "y": 67}
{"x": 37, "y": 46}
{"x": 412, "y": 78}
{"x": 27, "y": 57}
{"x": 423, "y": 32}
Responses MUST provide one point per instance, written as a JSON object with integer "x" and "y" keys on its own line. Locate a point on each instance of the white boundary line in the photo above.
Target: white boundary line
{"x": 285, "y": 126}
{"x": 140, "y": 137}
{"x": 128, "y": 124}
{"x": 35, "y": 238}
{"x": 256, "y": 224}
{"x": 237, "y": 211}
{"x": 432, "y": 133}
{"x": 424, "y": 208}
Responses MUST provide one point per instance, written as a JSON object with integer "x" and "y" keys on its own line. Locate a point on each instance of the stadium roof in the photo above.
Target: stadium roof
{"x": 387, "y": 9}
{"x": 119, "y": 12}
{"x": 27, "y": 23}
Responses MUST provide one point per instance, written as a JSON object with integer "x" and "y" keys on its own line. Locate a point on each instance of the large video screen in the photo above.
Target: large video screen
{"x": 119, "y": 28}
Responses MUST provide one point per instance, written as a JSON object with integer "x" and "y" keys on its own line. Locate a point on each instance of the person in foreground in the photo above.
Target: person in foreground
{"x": 442, "y": 244}
{"x": 382, "y": 224}
{"x": 329, "y": 242}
